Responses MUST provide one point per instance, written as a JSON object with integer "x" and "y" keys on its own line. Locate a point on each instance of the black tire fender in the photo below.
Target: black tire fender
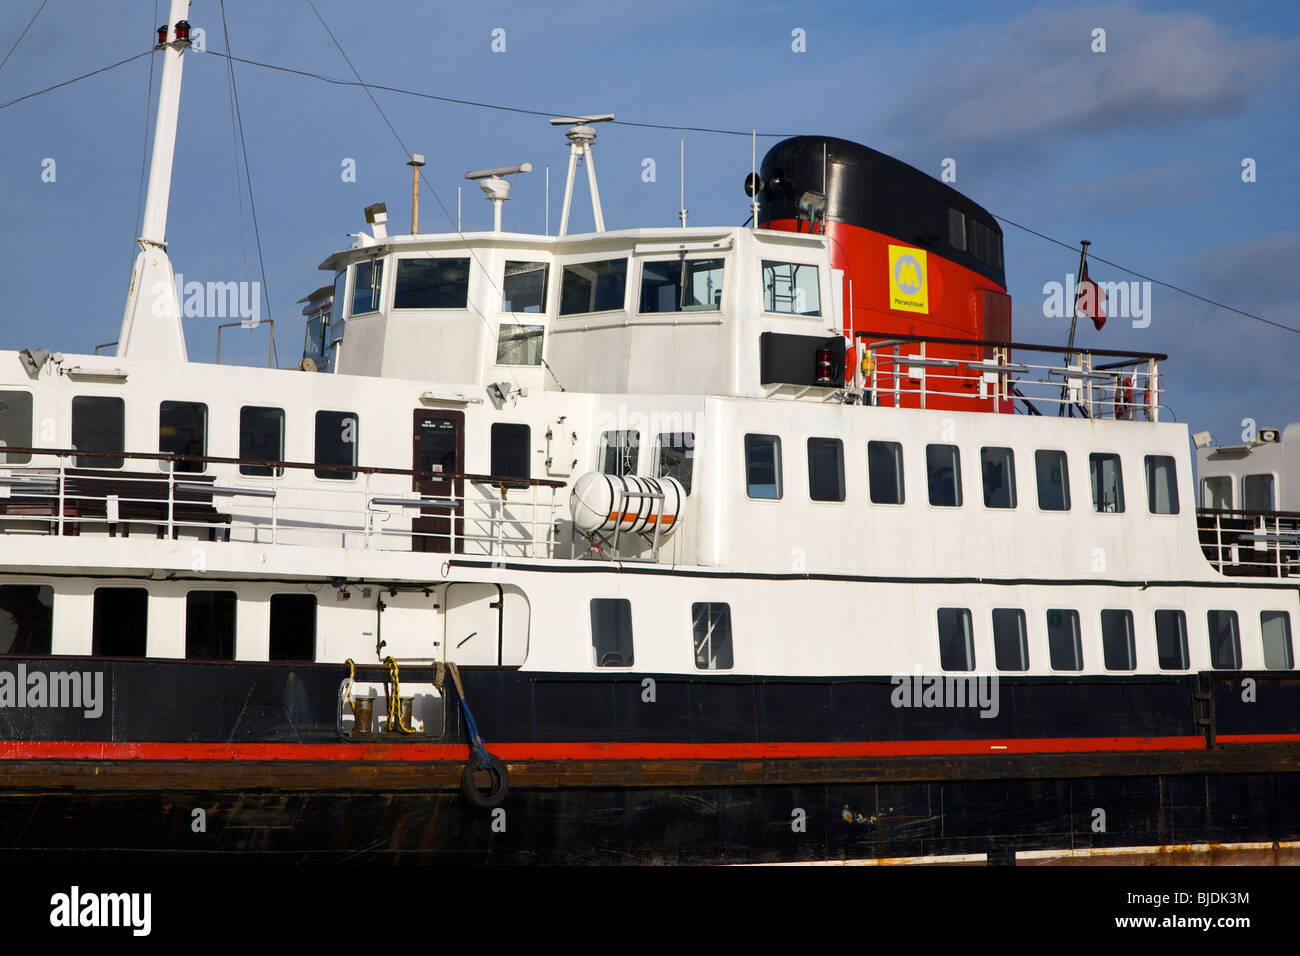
{"x": 495, "y": 794}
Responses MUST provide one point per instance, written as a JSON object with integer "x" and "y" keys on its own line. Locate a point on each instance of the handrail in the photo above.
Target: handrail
{"x": 259, "y": 463}
{"x": 896, "y": 338}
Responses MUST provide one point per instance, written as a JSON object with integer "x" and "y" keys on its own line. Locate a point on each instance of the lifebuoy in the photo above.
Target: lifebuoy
{"x": 1124, "y": 398}
{"x": 496, "y": 792}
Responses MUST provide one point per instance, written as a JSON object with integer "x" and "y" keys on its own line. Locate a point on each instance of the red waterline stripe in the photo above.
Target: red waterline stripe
{"x": 91, "y": 750}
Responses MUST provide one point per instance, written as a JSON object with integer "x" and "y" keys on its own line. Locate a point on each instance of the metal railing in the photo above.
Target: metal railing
{"x": 913, "y": 371}
{"x": 1250, "y": 543}
{"x": 65, "y": 491}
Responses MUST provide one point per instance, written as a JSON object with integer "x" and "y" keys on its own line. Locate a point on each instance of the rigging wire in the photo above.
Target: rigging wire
{"x": 24, "y": 33}
{"x": 75, "y": 79}
{"x": 144, "y": 149}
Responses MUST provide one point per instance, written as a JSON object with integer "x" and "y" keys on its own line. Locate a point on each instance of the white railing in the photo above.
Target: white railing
{"x": 914, "y": 371}
{"x": 70, "y": 492}
{"x": 1251, "y": 543}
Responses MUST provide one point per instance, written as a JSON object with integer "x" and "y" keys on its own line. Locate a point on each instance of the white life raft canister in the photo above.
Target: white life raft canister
{"x": 601, "y": 502}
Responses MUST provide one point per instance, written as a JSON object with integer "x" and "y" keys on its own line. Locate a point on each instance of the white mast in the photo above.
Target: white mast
{"x": 580, "y": 137}
{"x": 151, "y": 324}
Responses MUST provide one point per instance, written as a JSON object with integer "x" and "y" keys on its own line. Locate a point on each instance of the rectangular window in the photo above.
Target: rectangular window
{"x": 431, "y": 284}
{"x": 943, "y": 474}
{"x": 293, "y": 627}
{"x": 1275, "y": 626}
{"x": 593, "y": 287}
{"x": 1225, "y": 640}
{"x": 1162, "y": 485}
{"x": 1010, "y": 641}
{"x": 26, "y": 619}
{"x": 791, "y": 289}
{"x": 956, "y": 640}
{"x": 611, "y": 632}
{"x": 956, "y": 229}
{"x": 1107, "y": 483}
{"x": 15, "y": 426}
{"x": 1053, "y": 480}
{"x": 1117, "y": 640}
{"x": 183, "y": 430}
{"x": 1216, "y": 492}
{"x": 619, "y": 452}
{"x": 523, "y": 288}
{"x": 1171, "y": 640}
{"x": 999, "y": 468}
{"x": 985, "y": 243}
{"x": 98, "y": 424}
{"x": 711, "y": 624}
{"x": 366, "y": 282}
{"x": 261, "y": 438}
{"x": 885, "y": 472}
{"x": 825, "y": 469}
{"x": 519, "y": 344}
{"x": 675, "y": 457}
{"x": 763, "y": 466}
{"x": 336, "y": 444}
{"x": 511, "y": 456}
{"x": 121, "y": 622}
{"x": 1063, "y": 644}
{"x": 210, "y": 625}
{"x": 1257, "y": 493}
{"x": 681, "y": 285}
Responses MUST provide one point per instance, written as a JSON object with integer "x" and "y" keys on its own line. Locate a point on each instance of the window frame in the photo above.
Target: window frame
{"x": 525, "y": 479}
{"x": 1272, "y": 490}
{"x": 1066, "y": 496}
{"x": 330, "y": 474}
{"x": 762, "y": 289}
{"x": 1235, "y": 618}
{"x": 95, "y": 650}
{"x": 234, "y": 637}
{"x": 1122, "y": 500}
{"x": 631, "y": 634}
{"x": 377, "y": 294}
{"x": 1290, "y": 640}
{"x": 656, "y": 463}
{"x": 564, "y": 270}
{"x": 21, "y": 459}
{"x": 1128, "y": 617}
{"x": 958, "y": 484}
{"x": 901, "y": 474}
{"x": 984, "y": 486}
{"x": 838, "y": 445}
{"x": 239, "y": 443}
{"x": 315, "y": 630}
{"x": 712, "y": 255}
{"x": 696, "y": 610}
{"x": 1150, "y": 487}
{"x": 1072, "y": 613}
{"x": 546, "y": 286}
{"x": 603, "y": 447}
{"x": 1024, "y": 639}
{"x": 195, "y": 467}
{"x": 95, "y": 461}
{"x": 1183, "y": 635}
{"x": 964, "y": 615}
{"x": 778, "y": 467}
{"x": 399, "y": 261}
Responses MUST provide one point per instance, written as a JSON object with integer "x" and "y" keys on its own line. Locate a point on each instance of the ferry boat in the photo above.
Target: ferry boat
{"x": 691, "y": 544}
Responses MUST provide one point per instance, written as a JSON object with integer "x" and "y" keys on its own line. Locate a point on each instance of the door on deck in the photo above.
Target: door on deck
{"x": 439, "y": 450}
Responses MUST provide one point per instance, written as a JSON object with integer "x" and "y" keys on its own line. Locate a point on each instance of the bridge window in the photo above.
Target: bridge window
{"x": 519, "y": 344}
{"x": 1107, "y": 483}
{"x": 1216, "y": 492}
{"x": 1117, "y": 640}
{"x": 1171, "y": 640}
{"x": 26, "y": 618}
{"x": 885, "y": 472}
{"x": 1225, "y": 640}
{"x": 120, "y": 625}
{"x": 611, "y": 632}
{"x": 681, "y": 285}
{"x": 956, "y": 641}
{"x": 293, "y": 627}
{"x": 1256, "y": 492}
{"x": 510, "y": 451}
{"x": 763, "y": 466}
{"x": 1162, "y": 485}
{"x": 1010, "y": 641}
{"x": 431, "y": 284}
{"x": 984, "y": 242}
{"x": 366, "y": 286}
{"x": 183, "y": 430}
{"x": 523, "y": 287}
{"x": 999, "y": 467}
{"x": 1053, "y": 480}
{"x": 98, "y": 424}
{"x": 619, "y": 452}
{"x": 711, "y": 625}
{"x": 790, "y": 288}
{"x": 1063, "y": 644}
{"x": 593, "y": 287}
{"x": 261, "y": 438}
{"x": 336, "y": 444}
{"x": 15, "y": 426}
{"x": 210, "y": 625}
{"x": 956, "y": 229}
{"x": 675, "y": 457}
{"x": 1276, "y": 629}
{"x": 825, "y": 469}
{"x": 943, "y": 474}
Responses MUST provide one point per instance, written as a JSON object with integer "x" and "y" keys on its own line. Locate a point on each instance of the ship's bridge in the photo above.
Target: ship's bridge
{"x": 675, "y": 310}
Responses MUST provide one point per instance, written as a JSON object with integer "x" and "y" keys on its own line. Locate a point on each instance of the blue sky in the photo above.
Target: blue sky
{"x": 1137, "y": 149}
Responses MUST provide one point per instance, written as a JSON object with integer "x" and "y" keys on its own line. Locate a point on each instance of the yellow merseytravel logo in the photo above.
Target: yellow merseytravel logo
{"x": 908, "y": 288}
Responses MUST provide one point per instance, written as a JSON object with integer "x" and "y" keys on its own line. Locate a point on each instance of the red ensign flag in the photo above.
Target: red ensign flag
{"x": 1089, "y": 299}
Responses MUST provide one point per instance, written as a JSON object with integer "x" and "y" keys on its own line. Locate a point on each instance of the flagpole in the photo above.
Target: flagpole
{"x": 1074, "y": 319}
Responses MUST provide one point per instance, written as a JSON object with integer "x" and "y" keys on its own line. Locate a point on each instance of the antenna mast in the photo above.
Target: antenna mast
{"x": 581, "y": 136}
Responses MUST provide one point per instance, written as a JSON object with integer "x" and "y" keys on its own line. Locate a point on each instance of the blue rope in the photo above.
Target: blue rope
{"x": 476, "y": 739}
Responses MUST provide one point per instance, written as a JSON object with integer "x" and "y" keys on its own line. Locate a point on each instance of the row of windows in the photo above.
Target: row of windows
{"x": 763, "y": 475}
{"x": 1257, "y": 492}
{"x": 1119, "y": 652}
{"x": 611, "y": 634}
{"x": 120, "y": 623}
